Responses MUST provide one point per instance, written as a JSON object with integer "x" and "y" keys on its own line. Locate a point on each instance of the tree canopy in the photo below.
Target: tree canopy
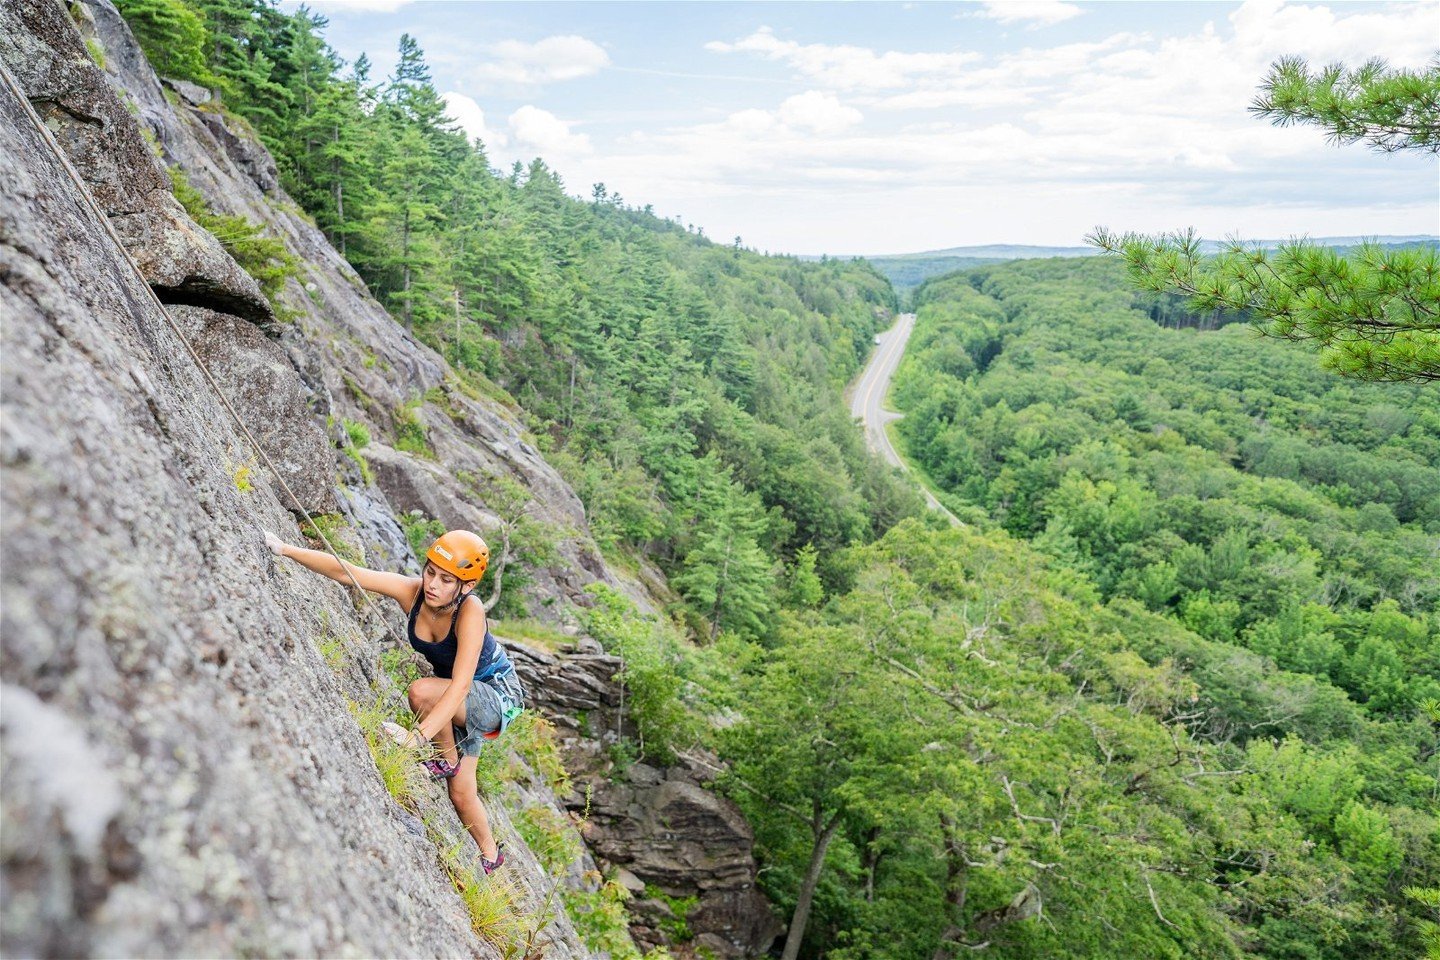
{"x": 1257, "y": 542}
{"x": 1388, "y": 109}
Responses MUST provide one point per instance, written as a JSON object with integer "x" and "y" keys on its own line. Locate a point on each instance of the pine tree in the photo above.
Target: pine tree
{"x": 245, "y": 37}
{"x": 406, "y": 216}
{"x": 727, "y": 577}
{"x": 1375, "y": 314}
{"x": 173, "y": 37}
{"x": 307, "y": 67}
{"x": 411, "y": 91}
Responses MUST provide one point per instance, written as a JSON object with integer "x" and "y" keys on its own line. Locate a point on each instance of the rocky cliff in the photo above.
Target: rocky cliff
{"x": 186, "y": 768}
{"x": 681, "y": 850}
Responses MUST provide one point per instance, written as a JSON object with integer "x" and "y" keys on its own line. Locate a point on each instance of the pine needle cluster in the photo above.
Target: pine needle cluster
{"x": 1389, "y": 109}
{"x": 1375, "y": 311}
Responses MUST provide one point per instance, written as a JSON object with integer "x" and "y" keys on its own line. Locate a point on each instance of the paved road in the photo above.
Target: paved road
{"x": 867, "y": 399}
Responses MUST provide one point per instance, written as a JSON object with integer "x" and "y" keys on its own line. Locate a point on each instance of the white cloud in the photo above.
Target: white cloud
{"x": 818, "y": 112}
{"x": 546, "y": 134}
{"x": 1030, "y": 76}
{"x": 471, "y": 118}
{"x": 1403, "y": 33}
{"x": 847, "y": 67}
{"x": 361, "y": 6}
{"x": 1131, "y": 129}
{"x": 1037, "y": 13}
{"x": 552, "y": 59}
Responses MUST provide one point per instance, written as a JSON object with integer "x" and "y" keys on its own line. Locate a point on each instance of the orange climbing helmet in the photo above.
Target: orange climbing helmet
{"x": 460, "y": 553}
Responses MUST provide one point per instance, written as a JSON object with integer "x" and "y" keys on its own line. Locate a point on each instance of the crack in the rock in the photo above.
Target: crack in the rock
{"x": 211, "y": 298}
{"x": 49, "y": 108}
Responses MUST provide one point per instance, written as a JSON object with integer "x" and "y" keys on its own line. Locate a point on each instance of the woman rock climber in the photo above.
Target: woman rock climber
{"x": 475, "y": 692}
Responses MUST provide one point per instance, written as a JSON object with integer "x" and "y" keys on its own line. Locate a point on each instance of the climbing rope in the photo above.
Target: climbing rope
{"x": 100, "y": 215}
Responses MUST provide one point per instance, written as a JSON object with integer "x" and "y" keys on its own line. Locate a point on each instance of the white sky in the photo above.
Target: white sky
{"x": 868, "y": 128}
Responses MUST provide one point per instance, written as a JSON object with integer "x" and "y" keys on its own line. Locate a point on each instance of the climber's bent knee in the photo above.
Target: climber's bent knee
{"x": 424, "y": 693}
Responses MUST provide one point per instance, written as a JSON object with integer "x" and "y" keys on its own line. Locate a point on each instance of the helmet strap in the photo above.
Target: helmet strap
{"x": 460, "y": 594}
{"x": 455, "y": 599}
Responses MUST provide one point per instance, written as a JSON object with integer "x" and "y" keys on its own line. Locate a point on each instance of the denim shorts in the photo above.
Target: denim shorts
{"x": 489, "y": 707}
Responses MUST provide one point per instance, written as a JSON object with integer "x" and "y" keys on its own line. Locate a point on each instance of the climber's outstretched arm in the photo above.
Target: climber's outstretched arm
{"x": 396, "y": 586}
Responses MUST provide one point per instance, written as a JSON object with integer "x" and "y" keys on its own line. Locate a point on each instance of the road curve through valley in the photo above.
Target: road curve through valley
{"x": 867, "y": 399}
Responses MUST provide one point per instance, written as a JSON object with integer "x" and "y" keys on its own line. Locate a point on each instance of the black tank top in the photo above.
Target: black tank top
{"x": 442, "y": 654}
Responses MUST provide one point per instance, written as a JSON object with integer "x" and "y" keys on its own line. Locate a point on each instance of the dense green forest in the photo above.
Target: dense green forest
{"x": 1208, "y": 475}
{"x": 1188, "y": 718}
{"x": 688, "y": 390}
{"x": 1281, "y": 522}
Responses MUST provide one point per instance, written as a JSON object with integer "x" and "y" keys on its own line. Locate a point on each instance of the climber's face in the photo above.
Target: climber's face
{"x": 441, "y": 588}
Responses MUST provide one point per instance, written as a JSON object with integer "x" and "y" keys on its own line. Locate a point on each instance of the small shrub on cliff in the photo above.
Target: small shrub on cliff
{"x": 491, "y": 902}
{"x": 677, "y": 927}
{"x": 651, "y": 672}
{"x": 533, "y": 737}
{"x": 404, "y": 779}
{"x": 366, "y": 473}
{"x": 264, "y": 258}
{"x": 332, "y": 651}
{"x": 358, "y": 438}
{"x": 421, "y": 531}
{"x": 410, "y": 434}
{"x": 550, "y": 835}
{"x": 96, "y": 51}
{"x": 439, "y": 398}
{"x": 352, "y": 386}
{"x": 600, "y": 919}
{"x": 400, "y": 666}
{"x": 243, "y": 483}
{"x": 358, "y": 433}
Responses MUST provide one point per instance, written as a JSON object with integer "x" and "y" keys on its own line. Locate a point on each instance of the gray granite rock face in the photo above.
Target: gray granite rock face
{"x": 46, "y": 56}
{"x": 258, "y": 380}
{"x": 182, "y": 772}
{"x": 182, "y": 775}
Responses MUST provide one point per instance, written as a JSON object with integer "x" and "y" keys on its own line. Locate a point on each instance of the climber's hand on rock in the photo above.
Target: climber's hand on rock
{"x": 410, "y": 739}
{"x": 274, "y": 543}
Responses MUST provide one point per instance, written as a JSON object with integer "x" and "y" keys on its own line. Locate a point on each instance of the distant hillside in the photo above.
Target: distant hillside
{"x": 998, "y": 251}
{"x": 906, "y": 271}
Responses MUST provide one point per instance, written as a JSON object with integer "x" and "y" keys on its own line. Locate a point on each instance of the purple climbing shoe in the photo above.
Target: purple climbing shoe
{"x": 441, "y": 769}
{"x": 490, "y": 866}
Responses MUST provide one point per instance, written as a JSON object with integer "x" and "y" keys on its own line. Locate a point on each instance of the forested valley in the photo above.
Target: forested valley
{"x": 1265, "y": 530}
{"x": 1170, "y": 692}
